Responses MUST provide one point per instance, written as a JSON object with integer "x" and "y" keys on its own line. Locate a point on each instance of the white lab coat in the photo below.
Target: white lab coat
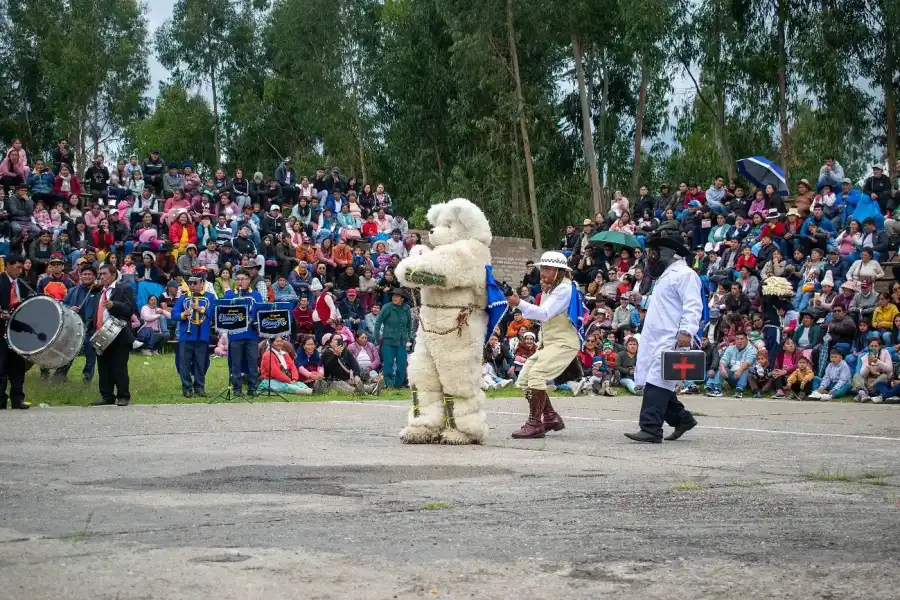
{"x": 675, "y": 305}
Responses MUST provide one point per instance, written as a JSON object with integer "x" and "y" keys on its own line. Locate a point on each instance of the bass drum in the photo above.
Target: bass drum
{"x": 45, "y": 332}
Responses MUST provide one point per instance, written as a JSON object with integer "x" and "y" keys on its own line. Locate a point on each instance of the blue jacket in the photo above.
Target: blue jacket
{"x": 86, "y": 298}
{"x": 251, "y": 333}
{"x": 849, "y": 201}
{"x": 196, "y": 327}
{"x": 824, "y": 224}
{"x": 41, "y": 184}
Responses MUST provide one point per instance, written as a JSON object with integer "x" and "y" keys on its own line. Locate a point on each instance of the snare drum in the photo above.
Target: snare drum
{"x": 45, "y": 332}
{"x": 107, "y": 333}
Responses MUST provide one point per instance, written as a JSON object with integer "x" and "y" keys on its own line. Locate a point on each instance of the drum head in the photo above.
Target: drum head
{"x": 34, "y": 325}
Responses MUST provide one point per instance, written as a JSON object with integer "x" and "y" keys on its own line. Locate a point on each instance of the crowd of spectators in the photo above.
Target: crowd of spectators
{"x": 789, "y": 281}
{"x": 325, "y": 243}
{"x": 799, "y": 301}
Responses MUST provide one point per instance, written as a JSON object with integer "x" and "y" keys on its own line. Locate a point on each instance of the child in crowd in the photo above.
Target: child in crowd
{"x": 801, "y": 380}
{"x": 837, "y": 379}
{"x": 490, "y": 380}
{"x": 128, "y": 269}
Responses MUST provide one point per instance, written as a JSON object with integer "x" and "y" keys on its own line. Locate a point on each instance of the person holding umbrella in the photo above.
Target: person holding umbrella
{"x": 673, "y": 318}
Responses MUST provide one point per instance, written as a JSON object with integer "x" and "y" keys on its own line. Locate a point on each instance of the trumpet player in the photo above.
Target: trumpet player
{"x": 193, "y": 312}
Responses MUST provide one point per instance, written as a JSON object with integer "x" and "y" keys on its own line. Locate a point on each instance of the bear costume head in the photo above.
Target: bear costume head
{"x": 457, "y": 220}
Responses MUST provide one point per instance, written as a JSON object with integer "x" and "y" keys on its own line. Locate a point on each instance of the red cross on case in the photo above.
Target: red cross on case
{"x": 684, "y": 365}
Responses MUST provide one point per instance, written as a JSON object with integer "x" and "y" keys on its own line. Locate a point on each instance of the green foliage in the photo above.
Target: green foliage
{"x": 76, "y": 69}
{"x": 181, "y": 128}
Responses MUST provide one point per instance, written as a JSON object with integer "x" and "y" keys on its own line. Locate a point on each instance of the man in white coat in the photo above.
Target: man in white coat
{"x": 673, "y": 318}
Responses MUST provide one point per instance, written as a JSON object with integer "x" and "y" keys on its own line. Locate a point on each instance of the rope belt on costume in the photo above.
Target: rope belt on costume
{"x": 462, "y": 319}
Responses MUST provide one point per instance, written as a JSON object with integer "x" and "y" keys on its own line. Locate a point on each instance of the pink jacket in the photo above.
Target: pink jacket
{"x": 8, "y": 170}
{"x": 354, "y": 349}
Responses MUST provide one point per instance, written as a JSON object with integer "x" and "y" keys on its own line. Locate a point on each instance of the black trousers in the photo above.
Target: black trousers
{"x": 12, "y": 372}
{"x": 660, "y": 405}
{"x": 112, "y": 367}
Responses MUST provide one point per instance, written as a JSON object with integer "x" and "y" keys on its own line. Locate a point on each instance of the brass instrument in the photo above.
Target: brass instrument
{"x": 198, "y": 305}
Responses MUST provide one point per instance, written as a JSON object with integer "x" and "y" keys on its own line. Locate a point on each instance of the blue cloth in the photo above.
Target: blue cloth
{"x": 496, "y": 302}
{"x": 866, "y": 208}
{"x": 577, "y": 311}
{"x": 145, "y": 289}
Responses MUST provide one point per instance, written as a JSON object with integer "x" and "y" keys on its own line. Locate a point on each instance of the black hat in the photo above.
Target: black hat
{"x": 671, "y": 243}
{"x": 398, "y": 292}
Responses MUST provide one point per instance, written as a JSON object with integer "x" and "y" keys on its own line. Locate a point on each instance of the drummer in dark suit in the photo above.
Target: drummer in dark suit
{"x": 83, "y": 299}
{"x": 115, "y": 300}
{"x": 12, "y": 366}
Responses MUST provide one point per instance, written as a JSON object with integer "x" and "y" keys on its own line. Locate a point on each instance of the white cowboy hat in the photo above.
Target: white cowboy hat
{"x": 554, "y": 259}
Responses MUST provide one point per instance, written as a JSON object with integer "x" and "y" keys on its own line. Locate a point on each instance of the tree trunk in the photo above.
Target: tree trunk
{"x": 639, "y": 126}
{"x": 215, "y": 103}
{"x": 601, "y": 137}
{"x": 782, "y": 91}
{"x": 526, "y": 143}
{"x": 589, "y": 158}
{"x": 721, "y": 139}
{"x": 890, "y": 98}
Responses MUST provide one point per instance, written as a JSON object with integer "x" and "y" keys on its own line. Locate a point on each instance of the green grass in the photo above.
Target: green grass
{"x": 867, "y": 477}
{"x": 155, "y": 381}
{"x": 436, "y": 506}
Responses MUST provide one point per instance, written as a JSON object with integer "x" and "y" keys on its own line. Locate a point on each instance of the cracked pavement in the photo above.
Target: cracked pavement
{"x": 764, "y": 499}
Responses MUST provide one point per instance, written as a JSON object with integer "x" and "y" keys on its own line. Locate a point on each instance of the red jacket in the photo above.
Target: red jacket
{"x": 776, "y": 232}
{"x": 270, "y": 368}
{"x": 104, "y": 241}
{"x": 303, "y": 322}
{"x": 74, "y": 184}
{"x": 175, "y": 233}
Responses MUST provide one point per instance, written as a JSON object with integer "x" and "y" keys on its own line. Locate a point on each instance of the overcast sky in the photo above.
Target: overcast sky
{"x": 157, "y": 12}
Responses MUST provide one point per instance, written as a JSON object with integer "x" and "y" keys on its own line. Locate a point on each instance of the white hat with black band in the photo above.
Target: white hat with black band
{"x": 554, "y": 259}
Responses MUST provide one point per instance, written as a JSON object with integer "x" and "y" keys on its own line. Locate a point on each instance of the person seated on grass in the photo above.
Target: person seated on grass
{"x": 837, "y": 380}
{"x": 801, "y": 380}
{"x": 734, "y": 366}
{"x": 341, "y": 369}
{"x": 760, "y": 377}
{"x": 524, "y": 350}
{"x": 309, "y": 365}
{"x": 785, "y": 364}
{"x": 366, "y": 354}
{"x": 490, "y": 380}
{"x": 876, "y": 368}
{"x": 625, "y": 364}
{"x": 711, "y": 351}
{"x": 279, "y": 373}
{"x": 888, "y": 392}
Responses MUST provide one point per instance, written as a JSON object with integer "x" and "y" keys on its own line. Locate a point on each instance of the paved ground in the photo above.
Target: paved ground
{"x": 312, "y": 501}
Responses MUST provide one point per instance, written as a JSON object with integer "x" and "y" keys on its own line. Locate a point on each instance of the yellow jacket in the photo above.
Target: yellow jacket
{"x": 883, "y": 317}
{"x": 804, "y": 376}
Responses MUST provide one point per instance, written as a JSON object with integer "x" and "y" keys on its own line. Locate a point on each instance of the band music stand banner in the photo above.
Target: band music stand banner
{"x": 232, "y": 318}
{"x": 274, "y": 322}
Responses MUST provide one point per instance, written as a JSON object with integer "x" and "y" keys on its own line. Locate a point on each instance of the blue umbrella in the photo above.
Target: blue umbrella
{"x": 763, "y": 172}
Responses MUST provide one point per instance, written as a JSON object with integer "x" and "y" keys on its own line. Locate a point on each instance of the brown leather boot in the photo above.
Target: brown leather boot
{"x": 551, "y": 418}
{"x": 533, "y": 427}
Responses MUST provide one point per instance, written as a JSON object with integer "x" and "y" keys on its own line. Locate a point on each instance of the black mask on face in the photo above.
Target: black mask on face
{"x": 658, "y": 260}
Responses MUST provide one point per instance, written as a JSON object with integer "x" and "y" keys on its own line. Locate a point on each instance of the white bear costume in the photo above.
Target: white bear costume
{"x": 452, "y": 325}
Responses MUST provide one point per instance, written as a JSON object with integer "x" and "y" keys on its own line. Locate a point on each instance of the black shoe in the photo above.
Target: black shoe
{"x": 201, "y": 394}
{"x": 123, "y": 401}
{"x": 103, "y": 402}
{"x": 643, "y": 436}
{"x": 86, "y": 380}
{"x": 237, "y": 394}
{"x": 681, "y": 430}
{"x": 23, "y": 406}
{"x": 252, "y": 393}
{"x": 187, "y": 394}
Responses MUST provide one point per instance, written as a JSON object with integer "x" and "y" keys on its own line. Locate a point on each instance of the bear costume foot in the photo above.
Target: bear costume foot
{"x": 419, "y": 434}
{"x": 455, "y": 437}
